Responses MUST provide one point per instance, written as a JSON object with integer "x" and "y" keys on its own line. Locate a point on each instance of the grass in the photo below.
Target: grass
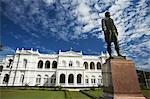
{"x": 31, "y": 94}
{"x": 146, "y": 93}
{"x": 96, "y": 93}
{"x": 77, "y": 95}
{"x": 47, "y": 94}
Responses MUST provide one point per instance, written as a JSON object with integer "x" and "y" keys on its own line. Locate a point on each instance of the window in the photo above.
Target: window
{"x": 38, "y": 79}
{"x": 62, "y": 78}
{"x": 1, "y": 68}
{"x": 70, "y": 64}
{"x": 79, "y": 77}
{"x": 93, "y": 80}
{"x": 86, "y": 80}
{"x": 53, "y": 79}
{"x": 40, "y": 64}
{"x": 92, "y": 65}
{"x": 21, "y": 78}
{"x": 46, "y": 80}
{"x": 71, "y": 78}
{"x": 85, "y": 65}
{"x": 47, "y": 64}
{"x": 99, "y": 79}
{"x": 10, "y": 61}
{"x": 54, "y": 64}
{"x": 98, "y": 65}
{"x": 25, "y": 63}
{"x": 6, "y": 79}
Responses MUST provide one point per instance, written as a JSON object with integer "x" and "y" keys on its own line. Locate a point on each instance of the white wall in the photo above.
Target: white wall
{"x": 31, "y": 71}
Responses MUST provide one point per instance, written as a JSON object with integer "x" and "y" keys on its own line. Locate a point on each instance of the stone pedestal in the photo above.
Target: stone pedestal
{"x": 120, "y": 80}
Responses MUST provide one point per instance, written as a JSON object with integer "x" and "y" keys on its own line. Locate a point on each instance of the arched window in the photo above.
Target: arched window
{"x": 63, "y": 63}
{"x": 79, "y": 76}
{"x": 47, "y": 64}
{"x": 46, "y": 80}
{"x": 71, "y": 78}
{"x": 85, "y": 65}
{"x": 38, "y": 79}
{"x": 1, "y": 68}
{"x": 6, "y": 79}
{"x": 54, "y": 64}
{"x": 92, "y": 65}
{"x": 21, "y": 78}
{"x": 40, "y": 64}
{"x": 98, "y": 65}
{"x": 86, "y": 79}
{"x": 78, "y": 63}
{"x": 53, "y": 79}
{"x": 93, "y": 79}
{"x": 10, "y": 62}
{"x": 25, "y": 63}
{"x": 70, "y": 63}
{"x": 99, "y": 79}
{"x": 62, "y": 78}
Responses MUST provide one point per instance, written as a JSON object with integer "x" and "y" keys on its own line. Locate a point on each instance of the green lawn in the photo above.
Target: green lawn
{"x": 97, "y": 92}
{"x": 146, "y": 93}
{"x": 77, "y": 95}
{"x": 47, "y": 94}
{"x": 31, "y": 94}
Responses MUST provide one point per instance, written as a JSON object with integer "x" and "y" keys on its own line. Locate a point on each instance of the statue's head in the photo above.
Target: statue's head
{"x": 107, "y": 14}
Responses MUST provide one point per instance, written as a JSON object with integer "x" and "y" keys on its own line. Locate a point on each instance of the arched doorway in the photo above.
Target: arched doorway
{"x": 62, "y": 78}
{"x": 98, "y": 65}
{"x": 71, "y": 78}
{"x": 92, "y": 65}
{"x": 6, "y": 79}
{"x": 54, "y": 64}
{"x": 47, "y": 64}
{"x": 79, "y": 78}
{"x": 40, "y": 64}
{"x": 85, "y": 65}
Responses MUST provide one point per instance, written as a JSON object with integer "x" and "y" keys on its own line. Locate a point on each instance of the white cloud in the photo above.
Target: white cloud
{"x": 76, "y": 19}
{"x": 49, "y": 2}
{"x": 6, "y": 51}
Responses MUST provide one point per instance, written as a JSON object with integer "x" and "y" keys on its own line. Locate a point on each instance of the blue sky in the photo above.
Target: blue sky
{"x": 52, "y": 25}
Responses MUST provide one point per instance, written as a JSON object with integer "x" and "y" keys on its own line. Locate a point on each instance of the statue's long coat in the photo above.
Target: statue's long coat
{"x": 110, "y": 30}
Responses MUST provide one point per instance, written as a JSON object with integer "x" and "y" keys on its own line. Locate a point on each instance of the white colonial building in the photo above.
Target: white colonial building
{"x": 66, "y": 69}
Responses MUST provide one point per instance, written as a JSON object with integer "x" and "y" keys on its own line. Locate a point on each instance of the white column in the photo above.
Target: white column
{"x": 83, "y": 79}
{"x": 95, "y": 66}
{"x": 66, "y": 80}
{"x": 75, "y": 80}
{"x": 57, "y": 78}
{"x": 88, "y": 65}
{"x": 90, "y": 81}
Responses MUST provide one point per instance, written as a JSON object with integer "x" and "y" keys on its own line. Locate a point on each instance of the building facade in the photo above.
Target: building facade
{"x": 66, "y": 69}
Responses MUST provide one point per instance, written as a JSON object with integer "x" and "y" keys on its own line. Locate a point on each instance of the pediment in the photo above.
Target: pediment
{"x": 26, "y": 52}
{"x": 70, "y": 53}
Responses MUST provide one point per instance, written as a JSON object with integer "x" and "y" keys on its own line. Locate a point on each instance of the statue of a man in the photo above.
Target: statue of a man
{"x": 110, "y": 32}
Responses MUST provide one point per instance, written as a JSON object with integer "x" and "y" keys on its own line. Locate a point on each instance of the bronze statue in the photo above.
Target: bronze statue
{"x": 110, "y": 32}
